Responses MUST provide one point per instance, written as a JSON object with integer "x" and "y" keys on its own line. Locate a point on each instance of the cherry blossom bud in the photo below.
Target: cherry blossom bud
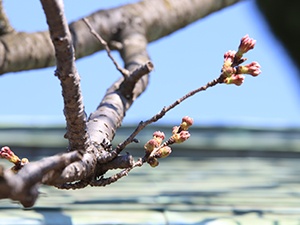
{"x": 163, "y": 152}
{"x": 151, "y": 145}
{"x": 186, "y": 123}
{"x": 236, "y": 79}
{"x": 229, "y": 57}
{"x": 175, "y": 130}
{"x": 159, "y": 136}
{"x": 153, "y": 162}
{"x": 24, "y": 161}
{"x": 252, "y": 69}
{"x": 228, "y": 71}
{"x": 8, "y": 154}
{"x": 181, "y": 137}
{"x": 246, "y": 44}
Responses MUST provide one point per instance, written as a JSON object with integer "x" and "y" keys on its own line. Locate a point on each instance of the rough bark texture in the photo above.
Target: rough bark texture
{"x": 23, "y": 187}
{"x": 130, "y": 28}
{"x": 67, "y": 73}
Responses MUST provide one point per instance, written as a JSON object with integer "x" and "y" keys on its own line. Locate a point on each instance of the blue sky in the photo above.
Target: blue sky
{"x": 183, "y": 61}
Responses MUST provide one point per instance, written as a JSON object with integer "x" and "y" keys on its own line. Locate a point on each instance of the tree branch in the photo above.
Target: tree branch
{"x": 163, "y": 112}
{"x": 22, "y": 186}
{"x": 5, "y": 26}
{"x": 23, "y": 51}
{"x": 103, "y": 123}
{"x": 120, "y": 96}
{"x": 67, "y": 74}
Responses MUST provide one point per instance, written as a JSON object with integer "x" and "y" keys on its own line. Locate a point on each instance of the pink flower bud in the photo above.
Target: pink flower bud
{"x": 246, "y": 44}
{"x": 252, "y": 69}
{"x": 236, "y": 79}
{"x": 151, "y": 145}
{"x": 8, "y": 154}
{"x": 159, "y": 134}
{"x": 229, "y": 56}
{"x": 181, "y": 137}
{"x": 175, "y": 130}
{"x": 186, "y": 123}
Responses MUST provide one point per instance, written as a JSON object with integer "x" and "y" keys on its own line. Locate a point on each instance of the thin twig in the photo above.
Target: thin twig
{"x": 164, "y": 110}
{"x": 141, "y": 71}
{"x": 123, "y": 71}
{"x": 114, "y": 178}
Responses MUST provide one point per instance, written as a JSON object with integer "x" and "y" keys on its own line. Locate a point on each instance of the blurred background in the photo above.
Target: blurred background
{"x": 183, "y": 61}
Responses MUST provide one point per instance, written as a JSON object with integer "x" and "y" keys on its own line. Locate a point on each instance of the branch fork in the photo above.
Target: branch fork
{"x": 90, "y": 153}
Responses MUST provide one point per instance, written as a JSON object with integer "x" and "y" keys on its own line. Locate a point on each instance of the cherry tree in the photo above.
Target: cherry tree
{"x": 127, "y": 29}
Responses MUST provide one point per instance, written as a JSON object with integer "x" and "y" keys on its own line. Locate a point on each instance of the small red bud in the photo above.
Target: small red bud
{"x": 175, "y": 130}
{"x": 246, "y": 44}
{"x": 159, "y": 134}
{"x": 186, "y": 123}
{"x": 229, "y": 57}
{"x": 8, "y": 154}
{"x": 236, "y": 79}
{"x": 252, "y": 69}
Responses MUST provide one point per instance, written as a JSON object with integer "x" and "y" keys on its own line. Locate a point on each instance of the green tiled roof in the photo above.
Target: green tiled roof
{"x": 214, "y": 138}
{"x": 221, "y": 176}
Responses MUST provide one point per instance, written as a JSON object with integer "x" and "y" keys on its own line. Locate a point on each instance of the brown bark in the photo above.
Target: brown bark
{"x": 5, "y": 26}
{"x": 67, "y": 73}
{"x": 23, "y": 187}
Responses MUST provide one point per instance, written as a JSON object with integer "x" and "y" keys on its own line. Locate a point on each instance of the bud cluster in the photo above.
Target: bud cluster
{"x": 154, "y": 145}
{"x": 155, "y": 148}
{"x": 232, "y": 72}
{"x": 180, "y": 133}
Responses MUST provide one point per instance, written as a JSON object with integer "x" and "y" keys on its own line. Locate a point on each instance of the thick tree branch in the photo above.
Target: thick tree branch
{"x": 5, "y": 26}
{"x": 103, "y": 123}
{"x": 120, "y": 96}
{"x": 67, "y": 73}
{"x": 22, "y": 187}
{"x": 159, "y": 18}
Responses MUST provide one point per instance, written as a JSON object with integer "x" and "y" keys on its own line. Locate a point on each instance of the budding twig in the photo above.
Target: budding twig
{"x": 232, "y": 73}
{"x": 229, "y": 75}
{"x": 155, "y": 149}
{"x": 161, "y": 114}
